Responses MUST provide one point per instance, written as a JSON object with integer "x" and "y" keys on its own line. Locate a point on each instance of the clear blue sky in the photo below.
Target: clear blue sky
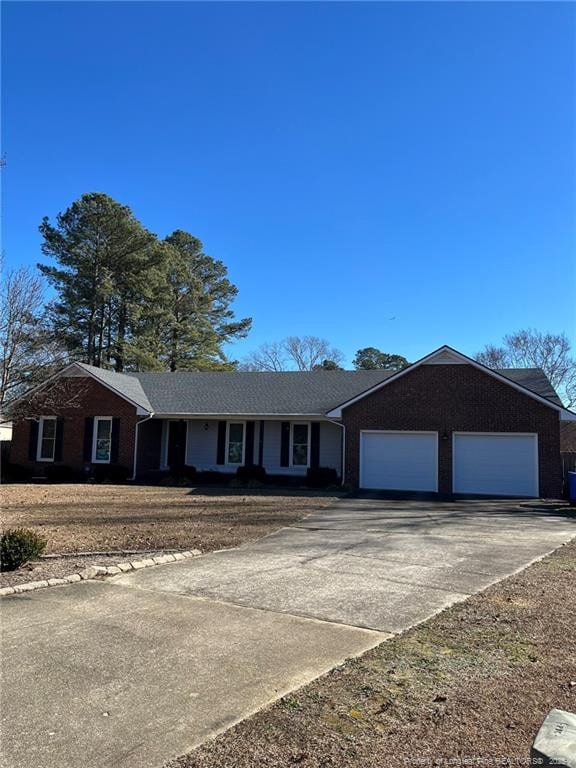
{"x": 349, "y": 162}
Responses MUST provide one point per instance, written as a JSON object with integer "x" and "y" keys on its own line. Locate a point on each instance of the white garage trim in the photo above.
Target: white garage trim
{"x": 530, "y": 489}
{"x": 433, "y": 487}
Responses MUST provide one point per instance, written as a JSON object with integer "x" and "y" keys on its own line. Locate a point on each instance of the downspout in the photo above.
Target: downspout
{"x": 343, "y": 426}
{"x": 136, "y": 432}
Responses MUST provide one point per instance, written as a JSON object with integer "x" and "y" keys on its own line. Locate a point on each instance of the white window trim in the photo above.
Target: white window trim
{"x": 40, "y": 433}
{"x": 231, "y": 463}
{"x": 94, "y": 437}
{"x": 299, "y": 424}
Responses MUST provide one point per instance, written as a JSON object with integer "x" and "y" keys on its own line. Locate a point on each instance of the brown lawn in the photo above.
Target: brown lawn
{"x": 469, "y": 687}
{"x": 81, "y": 518}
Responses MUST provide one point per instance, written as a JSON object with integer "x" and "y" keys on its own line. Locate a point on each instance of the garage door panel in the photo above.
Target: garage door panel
{"x": 496, "y": 464}
{"x": 399, "y": 461}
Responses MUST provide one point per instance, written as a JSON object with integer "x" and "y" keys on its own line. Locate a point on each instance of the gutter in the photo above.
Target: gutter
{"x": 136, "y": 444}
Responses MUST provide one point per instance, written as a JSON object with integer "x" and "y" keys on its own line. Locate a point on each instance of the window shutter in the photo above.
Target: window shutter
{"x": 59, "y": 438}
{"x": 249, "y": 450}
{"x": 114, "y": 440}
{"x": 88, "y": 431}
{"x": 285, "y": 444}
{"x": 33, "y": 440}
{"x": 221, "y": 447}
{"x": 315, "y": 444}
{"x": 261, "y": 444}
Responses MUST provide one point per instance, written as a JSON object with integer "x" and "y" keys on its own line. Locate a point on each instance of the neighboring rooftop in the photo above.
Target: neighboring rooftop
{"x": 286, "y": 393}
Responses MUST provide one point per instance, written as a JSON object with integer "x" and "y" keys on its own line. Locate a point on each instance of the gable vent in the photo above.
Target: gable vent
{"x": 445, "y": 358}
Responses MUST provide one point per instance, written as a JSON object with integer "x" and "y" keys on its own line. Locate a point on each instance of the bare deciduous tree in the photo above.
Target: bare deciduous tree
{"x": 268, "y": 357}
{"x": 301, "y": 353}
{"x": 529, "y": 348}
{"x": 28, "y": 352}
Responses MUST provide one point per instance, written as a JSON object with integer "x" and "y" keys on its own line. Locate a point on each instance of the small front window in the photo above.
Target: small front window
{"x": 300, "y": 445}
{"x": 46, "y": 438}
{"x": 235, "y": 453}
{"x": 102, "y": 443}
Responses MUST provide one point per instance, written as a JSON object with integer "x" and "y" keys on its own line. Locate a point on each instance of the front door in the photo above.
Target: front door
{"x": 176, "y": 444}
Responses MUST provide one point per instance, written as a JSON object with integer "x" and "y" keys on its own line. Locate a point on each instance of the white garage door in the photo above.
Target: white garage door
{"x": 496, "y": 464}
{"x": 399, "y": 461}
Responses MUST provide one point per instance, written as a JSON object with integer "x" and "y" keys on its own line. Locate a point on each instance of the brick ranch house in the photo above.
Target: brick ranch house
{"x": 445, "y": 424}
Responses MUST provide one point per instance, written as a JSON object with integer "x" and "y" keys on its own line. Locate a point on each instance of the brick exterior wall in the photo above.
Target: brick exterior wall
{"x": 455, "y": 398}
{"x": 94, "y": 400}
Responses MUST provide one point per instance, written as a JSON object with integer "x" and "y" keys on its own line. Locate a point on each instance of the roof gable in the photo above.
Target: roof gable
{"x": 450, "y": 356}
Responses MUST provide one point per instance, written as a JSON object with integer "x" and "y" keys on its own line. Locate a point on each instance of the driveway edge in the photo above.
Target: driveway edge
{"x": 94, "y": 572}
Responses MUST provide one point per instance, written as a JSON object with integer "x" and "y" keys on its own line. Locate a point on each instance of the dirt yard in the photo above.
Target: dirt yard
{"x": 469, "y": 687}
{"x": 118, "y": 518}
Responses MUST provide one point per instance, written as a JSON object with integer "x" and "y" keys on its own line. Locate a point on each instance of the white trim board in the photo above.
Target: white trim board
{"x": 565, "y": 414}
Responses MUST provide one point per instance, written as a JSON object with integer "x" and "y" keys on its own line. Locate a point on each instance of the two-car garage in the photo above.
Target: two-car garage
{"x": 496, "y": 464}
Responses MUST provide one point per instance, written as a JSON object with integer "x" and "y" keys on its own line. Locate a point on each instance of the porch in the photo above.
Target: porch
{"x": 282, "y": 446}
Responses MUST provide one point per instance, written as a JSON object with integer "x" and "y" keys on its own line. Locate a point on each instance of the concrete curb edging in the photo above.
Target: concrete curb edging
{"x": 95, "y": 571}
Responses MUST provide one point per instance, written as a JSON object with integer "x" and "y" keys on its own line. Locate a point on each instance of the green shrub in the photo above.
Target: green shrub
{"x": 321, "y": 477}
{"x": 110, "y": 473}
{"x": 17, "y": 546}
{"x": 60, "y": 473}
{"x": 251, "y": 472}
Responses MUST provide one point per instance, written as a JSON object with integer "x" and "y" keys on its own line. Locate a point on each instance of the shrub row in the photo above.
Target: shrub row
{"x": 61, "y": 473}
{"x": 317, "y": 477}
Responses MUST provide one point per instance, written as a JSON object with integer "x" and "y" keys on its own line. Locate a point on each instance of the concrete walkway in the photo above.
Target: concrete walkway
{"x": 130, "y": 672}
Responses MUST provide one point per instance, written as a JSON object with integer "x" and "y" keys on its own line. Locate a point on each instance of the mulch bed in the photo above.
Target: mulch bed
{"x": 474, "y": 682}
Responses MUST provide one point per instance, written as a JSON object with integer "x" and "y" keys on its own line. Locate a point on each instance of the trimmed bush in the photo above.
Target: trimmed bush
{"x": 17, "y": 546}
{"x": 321, "y": 477}
{"x": 60, "y": 473}
{"x": 14, "y": 473}
{"x": 187, "y": 472}
{"x": 251, "y": 472}
{"x": 211, "y": 477}
{"x": 110, "y": 473}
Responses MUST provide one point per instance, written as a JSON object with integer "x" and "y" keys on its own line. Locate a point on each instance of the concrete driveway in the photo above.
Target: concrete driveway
{"x": 130, "y": 672}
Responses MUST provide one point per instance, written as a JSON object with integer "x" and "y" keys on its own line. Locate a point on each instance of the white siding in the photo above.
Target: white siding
{"x": 202, "y": 445}
{"x": 331, "y": 446}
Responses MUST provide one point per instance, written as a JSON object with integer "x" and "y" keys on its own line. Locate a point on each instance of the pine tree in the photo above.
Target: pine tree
{"x": 104, "y": 256}
{"x": 130, "y": 302}
{"x": 196, "y": 298}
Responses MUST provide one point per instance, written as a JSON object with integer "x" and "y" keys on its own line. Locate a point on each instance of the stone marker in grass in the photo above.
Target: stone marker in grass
{"x": 555, "y": 742}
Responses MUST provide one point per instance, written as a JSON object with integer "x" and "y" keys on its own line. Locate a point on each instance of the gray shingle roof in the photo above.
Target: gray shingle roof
{"x": 254, "y": 393}
{"x": 533, "y": 379}
{"x": 127, "y": 385}
{"x": 246, "y": 392}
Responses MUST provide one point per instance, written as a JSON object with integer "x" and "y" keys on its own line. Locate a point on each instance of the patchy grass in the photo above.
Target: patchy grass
{"x": 116, "y": 518}
{"x": 75, "y": 518}
{"x": 476, "y": 681}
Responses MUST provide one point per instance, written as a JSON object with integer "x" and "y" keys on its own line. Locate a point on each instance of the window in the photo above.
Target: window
{"x": 300, "y": 448}
{"x": 235, "y": 442}
{"x": 46, "y": 438}
{"x": 102, "y": 440}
